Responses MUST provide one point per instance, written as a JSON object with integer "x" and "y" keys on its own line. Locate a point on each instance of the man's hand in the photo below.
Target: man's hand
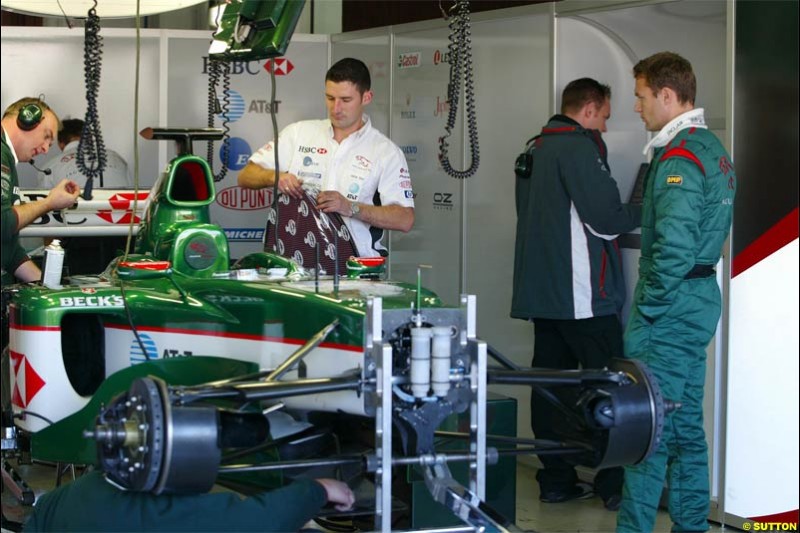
{"x": 63, "y": 195}
{"x": 334, "y": 202}
{"x": 291, "y": 185}
{"x": 254, "y": 176}
{"x": 338, "y": 493}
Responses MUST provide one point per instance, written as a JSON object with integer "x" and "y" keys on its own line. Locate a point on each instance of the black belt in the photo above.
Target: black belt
{"x": 700, "y": 271}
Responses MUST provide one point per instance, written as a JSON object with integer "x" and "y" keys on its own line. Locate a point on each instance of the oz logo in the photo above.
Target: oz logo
{"x": 238, "y": 153}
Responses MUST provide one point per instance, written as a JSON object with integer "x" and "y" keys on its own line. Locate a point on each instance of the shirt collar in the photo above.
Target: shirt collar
{"x": 359, "y": 132}
{"x": 72, "y": 145}
{"x": 11, "y": 146}
{"x": 691, "y": 119}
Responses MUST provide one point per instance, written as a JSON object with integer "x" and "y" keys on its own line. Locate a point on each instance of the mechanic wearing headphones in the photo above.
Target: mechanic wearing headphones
{"x": 29, "y": 128}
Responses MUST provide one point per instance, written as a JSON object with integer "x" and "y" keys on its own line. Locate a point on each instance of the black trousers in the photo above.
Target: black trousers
{"x": 568, "y": 345}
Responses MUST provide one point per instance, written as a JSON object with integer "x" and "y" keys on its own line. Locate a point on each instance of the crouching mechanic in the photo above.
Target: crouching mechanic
{"x": 362, "y": 175}
{"x": 29, "y": 128}
{"x": 90, "y": 503}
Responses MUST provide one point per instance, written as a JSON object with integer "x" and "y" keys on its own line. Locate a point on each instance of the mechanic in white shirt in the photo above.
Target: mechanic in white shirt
{"x": 346, "y": 159}
{"x": 65, "y": 164}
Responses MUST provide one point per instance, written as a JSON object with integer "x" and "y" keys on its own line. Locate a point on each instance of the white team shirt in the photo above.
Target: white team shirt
{"x": 65, "y": 165}
{"x": 364, "y": 163}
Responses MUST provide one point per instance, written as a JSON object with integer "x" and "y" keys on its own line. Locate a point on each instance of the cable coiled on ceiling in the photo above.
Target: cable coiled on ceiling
{"x": 460, "y": 59}
{"x": 92, "y": 147}
{"x": 216, "y": 69}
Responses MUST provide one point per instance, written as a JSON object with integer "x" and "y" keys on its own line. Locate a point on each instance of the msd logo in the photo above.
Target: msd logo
{"x": 410, "y": 60}
{"x": 241, "y": 199}
{"x": 280, "y": 66}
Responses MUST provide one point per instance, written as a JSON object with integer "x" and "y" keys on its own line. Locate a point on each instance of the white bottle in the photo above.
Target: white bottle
{"x": 53, "y": 265}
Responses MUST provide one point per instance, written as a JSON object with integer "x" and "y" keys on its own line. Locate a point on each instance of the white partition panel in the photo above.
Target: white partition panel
{"x": 419, "y": 112}
{"x": 513, "y": 66}
{"x": 49, "y": 61}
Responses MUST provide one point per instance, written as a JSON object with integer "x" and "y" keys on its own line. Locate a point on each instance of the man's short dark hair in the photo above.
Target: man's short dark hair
{"x": 668, "y": 69}
{"x": 352, "y": 70}
{"x": 72, "y": 130}
{"x": 582, "y": 91}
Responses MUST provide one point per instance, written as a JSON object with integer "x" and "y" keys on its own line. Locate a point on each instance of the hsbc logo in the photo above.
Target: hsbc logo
{"x": 312, "y": 150}
{"x": 279, "y": 66}
{"x": 410, "y": 60}
{"x": 237, "y": 67}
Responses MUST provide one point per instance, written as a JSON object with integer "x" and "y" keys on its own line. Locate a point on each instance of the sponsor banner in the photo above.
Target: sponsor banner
{"x": 443, "y": 201}
{"x": 245, "y": 234}
{"x": 442, "y": 106}
{"x": 409, "y": 60}
{"x": 238, "y": 153}
{"x": 236, "y": 106}
{"x": 108, "y": 207}
{"x": 411, "y": 151}
{"x": 280, "y": 66}
{"x": 241, "y": 199}
{"x": 264, "y": 107}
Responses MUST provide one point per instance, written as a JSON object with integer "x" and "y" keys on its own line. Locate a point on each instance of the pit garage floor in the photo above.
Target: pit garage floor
{"x": 587, "y": 516}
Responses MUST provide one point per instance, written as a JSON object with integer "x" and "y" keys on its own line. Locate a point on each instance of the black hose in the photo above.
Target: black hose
{"x": 217, "y": 68}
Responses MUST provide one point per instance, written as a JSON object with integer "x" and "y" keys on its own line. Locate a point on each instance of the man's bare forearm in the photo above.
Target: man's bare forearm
{"x": 392, "y": 217}
{"x": 253, "y": 176}
{"x": 28, "y": 212}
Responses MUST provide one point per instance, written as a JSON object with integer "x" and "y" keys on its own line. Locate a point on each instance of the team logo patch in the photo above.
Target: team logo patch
{"x": 674, "y": 180}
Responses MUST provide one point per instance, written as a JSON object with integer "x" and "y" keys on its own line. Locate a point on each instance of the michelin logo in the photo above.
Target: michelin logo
{"x": 244, "y": 234}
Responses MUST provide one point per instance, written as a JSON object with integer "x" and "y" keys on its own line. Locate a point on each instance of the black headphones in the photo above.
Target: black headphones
{"x": 29, "y": 116}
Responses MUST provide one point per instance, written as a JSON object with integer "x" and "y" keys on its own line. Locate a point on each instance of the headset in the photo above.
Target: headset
{"x": 29, "y": 116}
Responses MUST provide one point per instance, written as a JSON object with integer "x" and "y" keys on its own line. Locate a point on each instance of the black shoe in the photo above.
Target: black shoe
{"x": 579, "y": 491}
{"x": 612, "y": 502}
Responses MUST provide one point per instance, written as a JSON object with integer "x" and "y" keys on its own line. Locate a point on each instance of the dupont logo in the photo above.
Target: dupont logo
{"x": 241, "y": 199}
{"x": 410, "y": 60}
{"x": 244, "y": 234}
{"x": 280, "y": 66}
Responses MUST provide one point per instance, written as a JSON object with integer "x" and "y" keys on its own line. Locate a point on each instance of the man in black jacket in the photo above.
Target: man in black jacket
{"x": 567, "y": 267}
